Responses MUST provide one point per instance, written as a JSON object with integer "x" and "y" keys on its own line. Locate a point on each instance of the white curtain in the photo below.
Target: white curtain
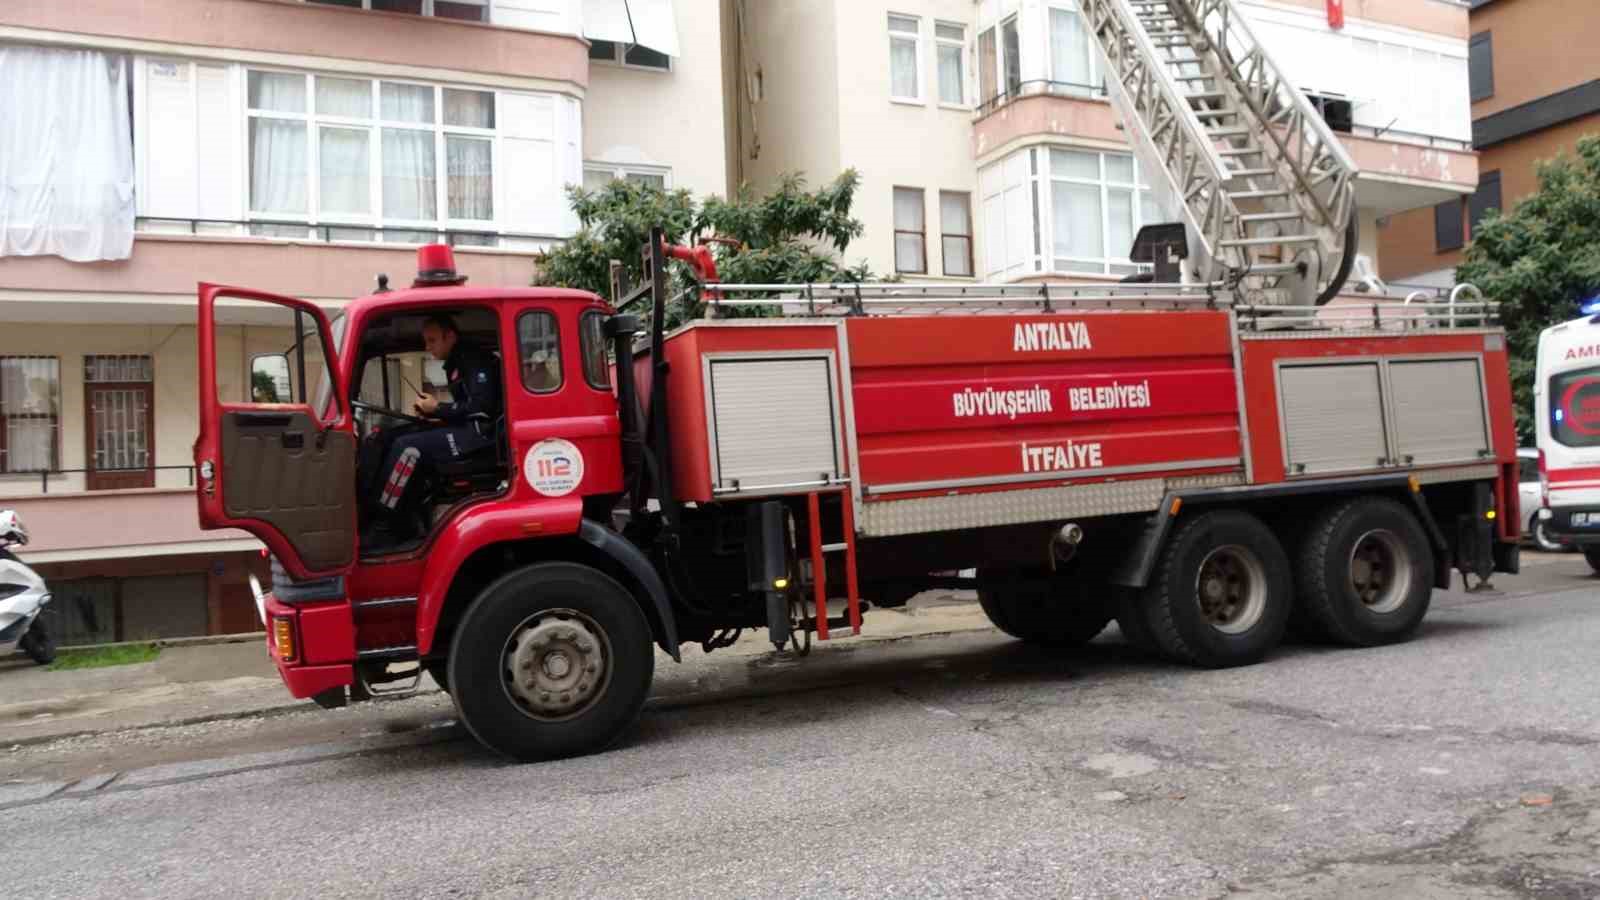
{"x": 471, "y": 109}
{"x": 409, "y": 185}
{"x": 902, "y": 67}
{"x": 1069, "y": 48}
{"x": 66, "y": 154}
{"x": 908, "y": 248}
{"x": 345, "y": 160}
{"x": 280, "y": 170}
{"x": 949, "y": 74}
{"x": 471, "y": 184}
{"x": 344, "y": 97}
{"x": 1077, "y": 218}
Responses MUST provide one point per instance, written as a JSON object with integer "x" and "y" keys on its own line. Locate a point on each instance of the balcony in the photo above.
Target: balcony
{"x": 348, "y": 38}
{"x": 1043, "y": 108}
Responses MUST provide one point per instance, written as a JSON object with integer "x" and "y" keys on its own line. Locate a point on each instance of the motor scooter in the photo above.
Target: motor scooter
{"x": 23, "y": 596}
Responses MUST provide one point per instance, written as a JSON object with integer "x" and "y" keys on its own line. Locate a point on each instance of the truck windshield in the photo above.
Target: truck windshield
{"x": 1575, "y": 407}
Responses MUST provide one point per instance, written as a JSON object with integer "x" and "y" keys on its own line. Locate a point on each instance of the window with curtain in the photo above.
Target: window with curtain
{"x": 464, "y": 10}
{"x": 951, "y": 42}
{"x": 1011, "y": 47}
{"x": 905, "y": 52}
{"x": 30, "y": 405}
{"x": 955, "y": 232}
{"x": 1071, "y": 63}
{"x": 359, "y": 152}
{"x": 598, "y": 174}
{"x": 910, "y": 233}
{"x": 988, "y": 71}
{"x": 1098, "y": 202}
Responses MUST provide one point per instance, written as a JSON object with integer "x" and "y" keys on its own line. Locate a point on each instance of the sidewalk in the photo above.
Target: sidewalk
{"x": 197, "y": 683}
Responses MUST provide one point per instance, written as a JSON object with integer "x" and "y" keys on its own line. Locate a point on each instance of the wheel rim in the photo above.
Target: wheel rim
{"x": 1380, "y": 571}
{"x": 1541, "y": 536}
{"x": 556, "y": 664}
{"x": 1231, "y": 589}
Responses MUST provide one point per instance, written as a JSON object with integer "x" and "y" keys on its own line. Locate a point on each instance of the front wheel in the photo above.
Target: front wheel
{"x": 1592, "y": 554}
{"x": 552, "y": 660}
{"x": 1540, "y": 530}
{"x": 39, "y": 644}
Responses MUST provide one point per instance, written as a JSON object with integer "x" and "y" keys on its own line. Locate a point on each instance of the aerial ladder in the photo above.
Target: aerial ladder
{"x": 1266, "y": 189}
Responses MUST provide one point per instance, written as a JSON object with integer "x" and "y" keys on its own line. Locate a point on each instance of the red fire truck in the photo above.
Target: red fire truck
{"x": 1200, "y": 471}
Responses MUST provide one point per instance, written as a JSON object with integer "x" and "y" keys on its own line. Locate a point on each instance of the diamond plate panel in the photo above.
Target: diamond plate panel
{"x": 955, "y": 512}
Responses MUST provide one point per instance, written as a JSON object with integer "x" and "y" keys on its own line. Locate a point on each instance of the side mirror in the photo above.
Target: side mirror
{"x": 269, "y": 378}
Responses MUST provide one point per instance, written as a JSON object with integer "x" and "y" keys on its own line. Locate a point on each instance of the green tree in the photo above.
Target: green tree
{"x": 263, "y": 389}
{"x": 787, "y": 236}
{"x": 1539, "y": 261}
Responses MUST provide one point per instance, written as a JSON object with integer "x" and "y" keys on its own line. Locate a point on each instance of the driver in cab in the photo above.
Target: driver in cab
{"x": 459, "y": 428}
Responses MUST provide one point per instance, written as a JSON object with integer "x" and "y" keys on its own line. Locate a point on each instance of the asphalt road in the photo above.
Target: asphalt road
{"x": 1463, "y": 764}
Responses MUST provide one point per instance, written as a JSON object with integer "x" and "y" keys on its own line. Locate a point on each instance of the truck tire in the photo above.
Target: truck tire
{"x": 1221, "y": 593}
{"x": 1130, "y": 621}
{"x": 551, "y": 660}
{"x": 1365, "y": 572}
{"x": 1059, "y": 614}
{"x": 1592, "y": 554}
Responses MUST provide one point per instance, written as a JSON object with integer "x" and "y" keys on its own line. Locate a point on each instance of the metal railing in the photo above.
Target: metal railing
{"x": 44, "y": 475}
{"x": 1410, "y": 137}
{"x": 326, "y": 232}
{"x": 1039, "y": 87}
{"x": 1464, "y": 308}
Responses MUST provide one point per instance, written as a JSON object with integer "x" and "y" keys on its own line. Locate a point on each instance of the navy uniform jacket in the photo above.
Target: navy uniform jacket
{"x": 475, "y": 392}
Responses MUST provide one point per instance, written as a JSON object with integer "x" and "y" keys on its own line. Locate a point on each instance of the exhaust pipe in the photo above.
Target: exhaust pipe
{"x": 1064, "y": 543}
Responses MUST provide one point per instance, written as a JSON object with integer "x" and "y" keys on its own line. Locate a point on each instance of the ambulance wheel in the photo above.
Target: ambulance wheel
{"x": 552, "y": 660}
{"x": 1221, "y": 592}
{"x": 1539, "y": 531}
{"x": 1592, "y": 554}
{"x": 1365, "y": 572}
{"x": 1059, "y": 613}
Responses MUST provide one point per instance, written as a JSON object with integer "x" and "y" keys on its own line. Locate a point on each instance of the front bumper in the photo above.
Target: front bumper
{"x": 1577, "y": 525}
{"x": 324, "y": 644}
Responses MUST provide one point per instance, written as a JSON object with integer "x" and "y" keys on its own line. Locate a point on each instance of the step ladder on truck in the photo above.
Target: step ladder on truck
{"x": 1197, "y": 469}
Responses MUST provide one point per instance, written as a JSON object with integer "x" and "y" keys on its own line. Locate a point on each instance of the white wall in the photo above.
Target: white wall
{"x": 795, "y": 125}
{"x": 1405, "y": 80}
{"x": 647, "y": 117}
{"x": 893, "y": 143}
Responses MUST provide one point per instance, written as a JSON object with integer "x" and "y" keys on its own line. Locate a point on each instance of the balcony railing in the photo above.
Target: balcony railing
{"x": 44, "y": 476}
{"x": 1036, "y": 87}
{"x": 329, "y": 232}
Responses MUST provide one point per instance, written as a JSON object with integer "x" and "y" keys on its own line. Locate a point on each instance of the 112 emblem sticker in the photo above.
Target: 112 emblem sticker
{"x": 553, "y": 467}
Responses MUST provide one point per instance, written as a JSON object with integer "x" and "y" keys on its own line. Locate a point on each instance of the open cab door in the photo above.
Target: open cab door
{"x": 276, "y": 455}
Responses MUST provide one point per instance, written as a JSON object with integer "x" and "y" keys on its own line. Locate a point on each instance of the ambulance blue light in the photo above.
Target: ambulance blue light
{"x": 1590, "y": 306}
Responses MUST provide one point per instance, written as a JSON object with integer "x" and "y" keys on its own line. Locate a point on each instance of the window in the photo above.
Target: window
{"x": 1487, "y": 197}
{"x": 362, "y": 152}
{"x": 1010, "y": 209}
{"x": 905, "y": 57}
{"x": 598, "y": 174}
{"x": 633, "y": 55}
{"x": 1071, "y": 63}
{"x": 988, "y": 72}
{"x": 119, "y": 398}
{"x": 592, "y": 341}
{"x": 1098, "y": 201}
{"x": 1575, "y": 407}
{"x": 539, "y": 347}
{"x": 910, "y": 240}
{"x": 951, "y": 42}
{"x": 464, "y": 10}
{"x": 30, "y": 404}
{"x": 1447, "y": 226}
{"x": 1011, "y": 52}
{"x": 955, "y": 227}
{"x": 1527, "y": 469}
{"x": 1480, "y": 66}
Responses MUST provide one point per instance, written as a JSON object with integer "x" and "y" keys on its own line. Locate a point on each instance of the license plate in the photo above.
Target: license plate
{"x": 1585, "y": 520}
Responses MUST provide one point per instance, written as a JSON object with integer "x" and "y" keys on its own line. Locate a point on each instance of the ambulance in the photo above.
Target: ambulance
{"x": 1567, "y": 406}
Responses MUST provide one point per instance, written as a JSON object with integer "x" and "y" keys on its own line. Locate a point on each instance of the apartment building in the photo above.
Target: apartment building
{"x": 989, "y": 148}
{"x": 296, "y": 146}
{"x": 1535, "y": 84}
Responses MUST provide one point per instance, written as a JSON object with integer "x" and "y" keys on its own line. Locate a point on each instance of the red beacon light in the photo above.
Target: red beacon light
{"x": 436, "y": 265}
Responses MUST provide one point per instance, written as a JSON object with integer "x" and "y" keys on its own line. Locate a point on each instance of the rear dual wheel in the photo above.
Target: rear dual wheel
{"x": 1220, "y": 595}
{"x": 1365, "y": 573}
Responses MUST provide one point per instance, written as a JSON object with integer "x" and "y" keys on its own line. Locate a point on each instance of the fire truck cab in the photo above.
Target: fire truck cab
{"x": 1198, "y": 471}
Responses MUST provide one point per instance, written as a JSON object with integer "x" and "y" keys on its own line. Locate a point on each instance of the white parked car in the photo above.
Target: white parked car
{"x": 1531, "y": 496}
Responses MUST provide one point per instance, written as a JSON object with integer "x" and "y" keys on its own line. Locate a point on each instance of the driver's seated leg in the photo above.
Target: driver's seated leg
{"x": 398, "y": 496}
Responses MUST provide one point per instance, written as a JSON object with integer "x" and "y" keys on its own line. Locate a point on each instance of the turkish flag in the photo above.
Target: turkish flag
{"x": 1335, "y": 13}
